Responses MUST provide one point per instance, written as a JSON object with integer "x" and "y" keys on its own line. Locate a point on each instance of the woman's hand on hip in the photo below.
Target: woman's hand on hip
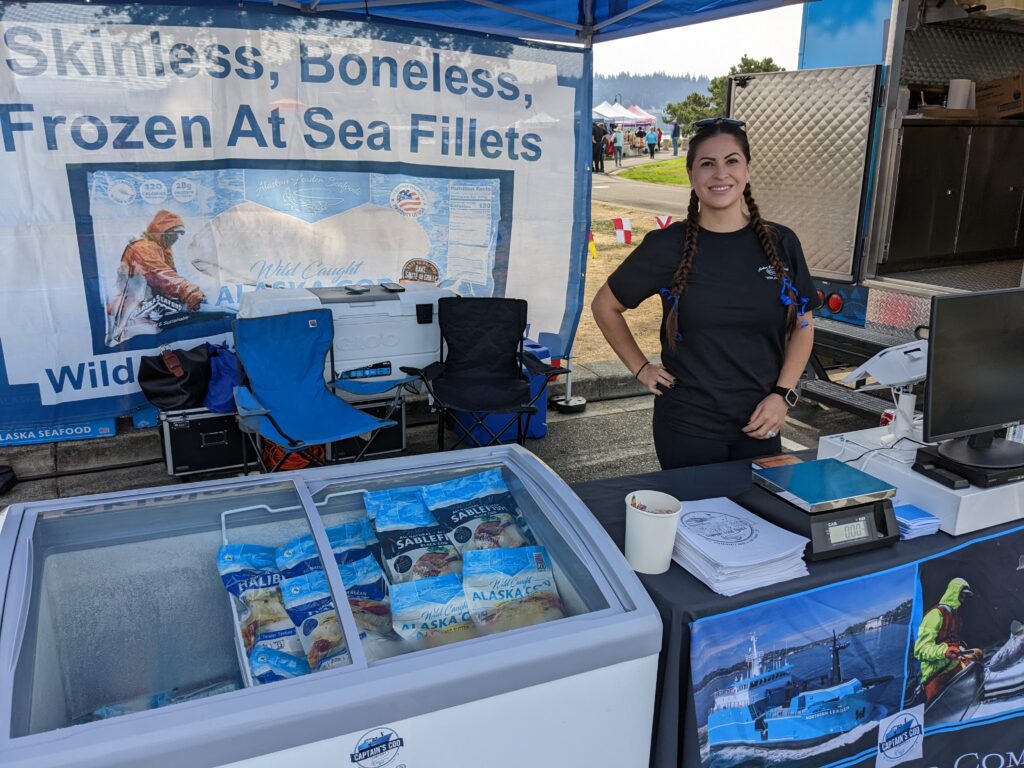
{"x": 767, "y": 419}
{"x": 654, "y": 375}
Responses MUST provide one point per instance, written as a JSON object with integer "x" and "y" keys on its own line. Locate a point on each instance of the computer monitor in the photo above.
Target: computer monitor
{"x": 976, "y": 377}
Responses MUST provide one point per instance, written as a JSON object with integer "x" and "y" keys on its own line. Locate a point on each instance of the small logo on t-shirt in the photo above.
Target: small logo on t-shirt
{"x": 768, "y": 272}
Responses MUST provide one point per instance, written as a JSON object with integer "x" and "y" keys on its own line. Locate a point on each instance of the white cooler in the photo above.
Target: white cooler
{"x": 375, "y": 333}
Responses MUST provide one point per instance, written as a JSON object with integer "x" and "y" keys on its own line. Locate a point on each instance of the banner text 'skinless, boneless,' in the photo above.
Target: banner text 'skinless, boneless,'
{"x": 34, "y": 51}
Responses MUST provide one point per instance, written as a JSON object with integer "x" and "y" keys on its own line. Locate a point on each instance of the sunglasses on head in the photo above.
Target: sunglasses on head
{"x": 709, "y": 121}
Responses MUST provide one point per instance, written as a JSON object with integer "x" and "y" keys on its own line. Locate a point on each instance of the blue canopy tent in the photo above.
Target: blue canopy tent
{"x": 558, "y": 21}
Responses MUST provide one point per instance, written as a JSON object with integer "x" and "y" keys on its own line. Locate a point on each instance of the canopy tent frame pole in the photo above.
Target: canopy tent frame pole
{"x": 370, "y": 4}
{"x": 365, "y": 5}
{"x": 585, "y": 31}
{"x": 569, "y": 403}
{"x": 624, "y": 15}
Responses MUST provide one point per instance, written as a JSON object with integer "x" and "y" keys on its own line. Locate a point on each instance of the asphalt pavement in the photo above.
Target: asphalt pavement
{"x": 611, "y": 188}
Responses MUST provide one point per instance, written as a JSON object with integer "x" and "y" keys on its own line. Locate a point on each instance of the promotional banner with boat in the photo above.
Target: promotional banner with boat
{"x": 921, "y": 665}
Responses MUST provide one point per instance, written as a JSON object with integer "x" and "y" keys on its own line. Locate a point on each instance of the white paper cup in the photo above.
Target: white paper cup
{"x": 650, "y": 532}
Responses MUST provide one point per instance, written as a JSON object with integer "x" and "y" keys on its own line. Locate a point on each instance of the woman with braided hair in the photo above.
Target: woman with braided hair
{"x": 736, "y": 297}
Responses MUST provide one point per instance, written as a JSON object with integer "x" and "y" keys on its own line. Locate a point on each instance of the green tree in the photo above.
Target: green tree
{"x": 719, "y": 88}
{"x": 694, "y": 107}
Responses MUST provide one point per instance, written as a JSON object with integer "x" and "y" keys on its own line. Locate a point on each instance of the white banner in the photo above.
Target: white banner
{"x": 157, "y": 171}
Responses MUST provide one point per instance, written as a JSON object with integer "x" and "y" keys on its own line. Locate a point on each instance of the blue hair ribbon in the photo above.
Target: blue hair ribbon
{"x": 666, "y": 294}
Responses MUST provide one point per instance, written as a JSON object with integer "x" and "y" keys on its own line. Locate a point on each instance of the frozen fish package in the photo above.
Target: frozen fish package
{"x": 397, "y": 509}
{"x": 510, "y": 588}
{"x": 432, "y": 610}
{"x": 418, "y": 553}
{"x": 367, "y": 594}
{"x": 477, "y": 511}
{"x": 310, "y": 605}
{"x": 250, "y": 575}
{"x": 269, "y": 665}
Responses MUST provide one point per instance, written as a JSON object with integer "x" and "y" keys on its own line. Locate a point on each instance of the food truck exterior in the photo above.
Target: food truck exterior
{"x": 895, "y": 197}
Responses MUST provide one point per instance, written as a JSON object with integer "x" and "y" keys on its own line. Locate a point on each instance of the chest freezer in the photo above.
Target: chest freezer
{"x": 507, "y": 629}
{"x": 375, "y": 333}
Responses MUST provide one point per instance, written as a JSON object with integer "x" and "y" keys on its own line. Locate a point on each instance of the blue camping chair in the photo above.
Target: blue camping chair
{"x": 285, "y": 397}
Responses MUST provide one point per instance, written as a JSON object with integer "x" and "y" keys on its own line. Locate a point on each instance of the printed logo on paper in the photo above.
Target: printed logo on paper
{"x": 719, "y": 527}
{"x": 377, "y": 748}
{"x": 901, "y": 737}
{"x": 408, "y": 200}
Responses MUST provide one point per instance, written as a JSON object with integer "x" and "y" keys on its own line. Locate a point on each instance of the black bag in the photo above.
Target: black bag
{"x": 176, "y": 378}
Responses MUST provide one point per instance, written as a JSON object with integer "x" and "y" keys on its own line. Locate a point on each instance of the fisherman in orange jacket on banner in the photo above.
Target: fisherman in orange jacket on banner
{"x": 147, "y": 271}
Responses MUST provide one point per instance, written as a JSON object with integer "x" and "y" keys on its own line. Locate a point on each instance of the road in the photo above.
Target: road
{"x": 656, "y": 198}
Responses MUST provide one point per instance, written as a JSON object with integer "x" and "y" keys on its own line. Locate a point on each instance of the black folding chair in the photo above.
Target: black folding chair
{"x": 481, "y": 370}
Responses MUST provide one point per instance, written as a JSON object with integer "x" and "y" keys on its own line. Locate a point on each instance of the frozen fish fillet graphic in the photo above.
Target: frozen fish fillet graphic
{"x": 237, "y": 245}
{"x": 1005, "y": 672}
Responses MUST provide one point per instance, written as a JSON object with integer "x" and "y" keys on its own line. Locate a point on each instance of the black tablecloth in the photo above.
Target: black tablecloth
{"x": 681, "y": 598}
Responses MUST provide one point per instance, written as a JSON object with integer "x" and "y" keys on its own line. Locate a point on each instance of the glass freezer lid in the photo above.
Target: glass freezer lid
{"x": 140, "y": 604}
{"x": 124, "y": 602}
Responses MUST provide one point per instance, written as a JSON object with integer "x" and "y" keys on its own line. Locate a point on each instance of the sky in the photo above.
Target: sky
{"x": 706, "y": 49}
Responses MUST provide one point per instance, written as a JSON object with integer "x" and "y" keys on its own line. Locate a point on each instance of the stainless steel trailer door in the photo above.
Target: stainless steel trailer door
{"x": 810, "y": 133}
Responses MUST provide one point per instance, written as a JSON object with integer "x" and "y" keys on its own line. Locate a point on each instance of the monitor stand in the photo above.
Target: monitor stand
{"x": 984, "y": 451}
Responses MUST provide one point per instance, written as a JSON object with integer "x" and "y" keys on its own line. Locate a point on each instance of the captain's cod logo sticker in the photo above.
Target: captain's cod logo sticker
{"x": 377, "y": 748}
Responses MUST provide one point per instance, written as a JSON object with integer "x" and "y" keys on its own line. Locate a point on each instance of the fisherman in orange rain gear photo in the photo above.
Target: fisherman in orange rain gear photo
{"x": 147, "y": 272}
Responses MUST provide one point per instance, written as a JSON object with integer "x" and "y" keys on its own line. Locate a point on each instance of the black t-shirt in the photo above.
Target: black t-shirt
{"x": 732, "y": 322}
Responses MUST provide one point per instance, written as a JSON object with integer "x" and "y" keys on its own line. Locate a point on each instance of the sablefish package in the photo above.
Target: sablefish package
{"x": 477, "y": 511}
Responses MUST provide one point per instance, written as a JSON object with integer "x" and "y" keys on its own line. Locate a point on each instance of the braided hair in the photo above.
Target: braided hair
{"x": 766, "y": 236}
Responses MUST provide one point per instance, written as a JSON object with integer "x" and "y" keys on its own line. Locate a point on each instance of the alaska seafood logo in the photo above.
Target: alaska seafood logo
{"x": 377, "y": 748}
{"x": 408, "y": 200}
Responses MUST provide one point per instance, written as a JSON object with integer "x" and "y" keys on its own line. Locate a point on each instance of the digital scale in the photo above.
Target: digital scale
{"x": 839, "y": 508}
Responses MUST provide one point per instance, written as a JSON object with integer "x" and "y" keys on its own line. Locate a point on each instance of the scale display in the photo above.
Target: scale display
{"x": 845, "y": 533}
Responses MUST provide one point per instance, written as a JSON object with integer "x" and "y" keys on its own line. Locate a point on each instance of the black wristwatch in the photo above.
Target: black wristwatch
{"x": 791, "y": 396}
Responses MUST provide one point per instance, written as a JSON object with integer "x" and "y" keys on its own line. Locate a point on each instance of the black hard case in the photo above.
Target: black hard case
{"x": 198, "y": 440}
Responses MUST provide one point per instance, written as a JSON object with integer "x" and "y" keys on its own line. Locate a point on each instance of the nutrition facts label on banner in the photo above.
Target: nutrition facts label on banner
{"x": 470, "y": 231}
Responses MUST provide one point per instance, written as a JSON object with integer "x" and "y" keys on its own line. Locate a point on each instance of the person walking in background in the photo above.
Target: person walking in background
{"x": 659, "y": 138}
{"x": 617, "y": 142}
{"x": 599, "y": 135}
{"x": 677, "y": 134}
{"x": 652, "y": 141}
{"x": 736, "y": 299}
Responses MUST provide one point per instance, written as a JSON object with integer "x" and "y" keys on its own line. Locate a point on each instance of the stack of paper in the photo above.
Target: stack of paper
{"x": 914, "y": 521}
{"x": 733, "y": 550}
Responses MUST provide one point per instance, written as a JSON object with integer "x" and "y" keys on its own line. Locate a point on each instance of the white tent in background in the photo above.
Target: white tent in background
{"x": 615, "y": 113}
{"x": 605, "y": 111}
{"x": 641, "y": 115}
